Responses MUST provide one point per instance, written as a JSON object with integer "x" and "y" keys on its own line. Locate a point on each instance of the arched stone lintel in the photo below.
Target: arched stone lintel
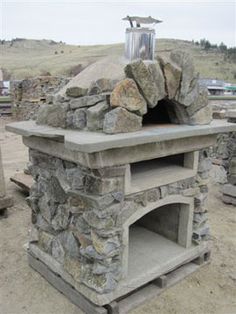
{"x": 172, "y": 199}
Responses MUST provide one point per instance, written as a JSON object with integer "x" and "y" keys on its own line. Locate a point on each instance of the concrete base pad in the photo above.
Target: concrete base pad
{"x": 155, "y": 263}
{"x": 127, "y": 303}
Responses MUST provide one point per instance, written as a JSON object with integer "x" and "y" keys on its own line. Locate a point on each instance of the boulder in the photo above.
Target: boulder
{"x": 101, "y": 85}
{"x": 53, "y": 115}
{"x": 95, "y": 116}
{"x": 185, "y": 62}
{"x": 202, "y": 116}
{"x": 158, "y": 77}
{"x": 69, "y": 119}
{"x": 126, "y": 95}
{"x": 80, "y": 118}
{"x": 139, "y": 72}
{"x": 199, "y": 100}
{"x": 121, "y": 120}
{"x": 87, "y": 101}
{"x": 76, "y": 91}
{"x": 172, "y": 74}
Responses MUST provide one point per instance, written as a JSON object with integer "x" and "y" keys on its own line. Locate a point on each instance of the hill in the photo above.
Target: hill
{"x": 23, "y": 58}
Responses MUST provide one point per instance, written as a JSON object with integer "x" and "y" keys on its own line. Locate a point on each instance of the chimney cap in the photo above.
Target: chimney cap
{"x": 141, "y": 20}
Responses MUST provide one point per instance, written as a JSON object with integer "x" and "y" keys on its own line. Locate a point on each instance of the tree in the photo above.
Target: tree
{"x": 222, "y": 47}
{"x": 207, "y": 45}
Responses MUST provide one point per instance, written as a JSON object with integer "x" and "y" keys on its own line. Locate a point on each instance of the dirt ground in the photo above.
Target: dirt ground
{"x": 22, "y": 291}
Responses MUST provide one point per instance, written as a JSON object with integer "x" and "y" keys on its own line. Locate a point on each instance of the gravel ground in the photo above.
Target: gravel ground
{"x": 22, "y": 291}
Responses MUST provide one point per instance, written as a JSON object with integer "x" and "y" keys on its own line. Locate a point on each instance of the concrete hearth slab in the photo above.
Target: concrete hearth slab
{"x": 89, "y": 142}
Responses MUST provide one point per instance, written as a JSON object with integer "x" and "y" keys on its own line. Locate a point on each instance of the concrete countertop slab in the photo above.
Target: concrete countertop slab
{"x": 90, "y": 142}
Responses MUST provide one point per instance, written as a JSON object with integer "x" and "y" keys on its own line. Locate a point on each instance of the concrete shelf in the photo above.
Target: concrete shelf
{"x": 162, "y": 174}
{"x": 160, "y": 171}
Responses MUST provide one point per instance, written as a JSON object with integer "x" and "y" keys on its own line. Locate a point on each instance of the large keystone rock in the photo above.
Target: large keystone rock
{"x": 185, "y": 62}
{"x": 53, "y": 115}
{"x": 121, "y": 120}
{"x": 158, "y": 77}
{"x": 126, "y": 95}
{"x": 145, "y": 80}
{"x": 95, "y": 116}
{"x": 172, "y": 73}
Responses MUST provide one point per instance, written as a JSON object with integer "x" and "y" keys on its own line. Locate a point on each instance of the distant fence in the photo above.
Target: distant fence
{"x": 222, "y": 97}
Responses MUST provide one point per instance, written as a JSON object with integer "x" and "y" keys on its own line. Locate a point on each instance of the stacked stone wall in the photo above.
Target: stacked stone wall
{"x": 27, "y": 95}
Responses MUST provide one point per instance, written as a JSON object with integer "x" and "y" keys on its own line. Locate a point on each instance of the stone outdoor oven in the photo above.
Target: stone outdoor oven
{"x": 120, "y": 163}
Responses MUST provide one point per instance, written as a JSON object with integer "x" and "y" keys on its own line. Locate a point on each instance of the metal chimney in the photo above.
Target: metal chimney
{"x": 140, "y": 41}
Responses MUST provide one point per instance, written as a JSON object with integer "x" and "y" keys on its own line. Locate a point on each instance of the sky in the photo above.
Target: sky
{"x": 96, "y": 22}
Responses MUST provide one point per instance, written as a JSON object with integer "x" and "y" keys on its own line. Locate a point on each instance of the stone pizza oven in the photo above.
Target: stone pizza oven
{"x": 120, "y": 163}
{"x": 130, "y": 96}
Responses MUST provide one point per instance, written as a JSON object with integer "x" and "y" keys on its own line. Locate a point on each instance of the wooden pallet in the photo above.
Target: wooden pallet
{"x": 126, "y": 303}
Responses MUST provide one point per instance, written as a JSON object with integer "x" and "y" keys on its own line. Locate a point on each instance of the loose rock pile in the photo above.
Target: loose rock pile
{"x": 118, "y": 105}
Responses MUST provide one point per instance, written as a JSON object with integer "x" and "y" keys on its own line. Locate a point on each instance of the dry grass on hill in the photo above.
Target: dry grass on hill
{"x": 29, "y": 58}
